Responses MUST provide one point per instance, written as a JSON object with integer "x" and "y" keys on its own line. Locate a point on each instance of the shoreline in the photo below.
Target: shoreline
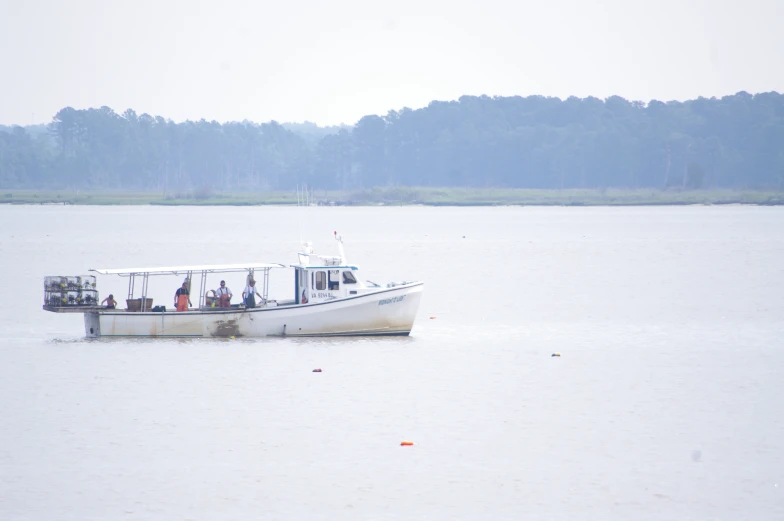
{"x": 436, "y": 197}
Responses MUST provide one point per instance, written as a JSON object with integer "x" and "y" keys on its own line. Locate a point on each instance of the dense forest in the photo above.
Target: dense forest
{"x": 533, "y": 142}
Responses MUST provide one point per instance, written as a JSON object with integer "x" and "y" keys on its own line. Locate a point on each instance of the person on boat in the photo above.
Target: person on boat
{"x": 110, "y": 302}
{"x": 249, "y": 295}
{"x": 224, "y": 295}
{"x": 182, "y": 298}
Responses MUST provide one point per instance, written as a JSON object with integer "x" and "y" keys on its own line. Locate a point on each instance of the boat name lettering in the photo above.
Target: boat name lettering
{"x": 323, "y": 295}
{"x": 390, "y": 300}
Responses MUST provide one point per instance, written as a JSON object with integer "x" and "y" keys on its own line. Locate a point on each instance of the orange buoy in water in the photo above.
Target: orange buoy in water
{"x": 406, "y": 443}
{"x": 317, "y": 370}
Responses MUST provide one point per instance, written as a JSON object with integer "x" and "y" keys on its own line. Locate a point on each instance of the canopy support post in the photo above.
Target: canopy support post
{"x": 202, "y": 290}
{"x": 145, "y": 282}
{"x": 131, "y": 283}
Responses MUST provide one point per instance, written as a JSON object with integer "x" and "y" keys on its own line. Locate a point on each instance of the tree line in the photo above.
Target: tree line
{"x": 516, "y": 142}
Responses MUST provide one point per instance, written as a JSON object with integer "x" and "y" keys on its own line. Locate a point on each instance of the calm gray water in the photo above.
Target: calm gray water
{"x": 665, "y": 404}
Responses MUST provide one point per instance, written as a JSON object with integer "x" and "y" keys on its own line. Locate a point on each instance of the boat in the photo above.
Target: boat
{"x": 329, "y": 299}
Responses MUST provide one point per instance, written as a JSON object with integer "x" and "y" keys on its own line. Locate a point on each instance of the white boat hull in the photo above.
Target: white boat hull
{"x": 388, "y": 311}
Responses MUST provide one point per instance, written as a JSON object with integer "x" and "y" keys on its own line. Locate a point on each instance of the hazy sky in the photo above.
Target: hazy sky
{"x": 335, "y": 61}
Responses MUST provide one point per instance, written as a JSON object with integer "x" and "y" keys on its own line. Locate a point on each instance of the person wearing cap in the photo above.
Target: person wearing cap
{"x": 224, "y": 295}
{"x": 249, "y": 294}
{"x": 182, "y": 298}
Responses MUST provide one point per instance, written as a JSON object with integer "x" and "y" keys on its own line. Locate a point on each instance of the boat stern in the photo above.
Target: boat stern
{"x": 92, "y": 325}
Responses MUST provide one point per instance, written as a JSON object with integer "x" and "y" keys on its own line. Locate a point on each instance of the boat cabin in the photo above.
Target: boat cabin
{"x": 322, "y": 283}
{"x": 320, "y": 278}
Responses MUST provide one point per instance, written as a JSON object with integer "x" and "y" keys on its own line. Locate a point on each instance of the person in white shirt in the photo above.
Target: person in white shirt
{"x": 249, "y": 294}
{"x": 223, "y": 294}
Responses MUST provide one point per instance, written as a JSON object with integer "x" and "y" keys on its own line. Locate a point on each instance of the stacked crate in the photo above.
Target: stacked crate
{"x": 61, "y": 291}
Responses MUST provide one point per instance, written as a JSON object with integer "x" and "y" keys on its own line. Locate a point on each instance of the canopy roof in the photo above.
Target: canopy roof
{"x": 176, "y": 270}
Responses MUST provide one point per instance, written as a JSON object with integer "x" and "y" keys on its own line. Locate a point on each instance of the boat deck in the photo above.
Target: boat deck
{"x": 74, "y": 309}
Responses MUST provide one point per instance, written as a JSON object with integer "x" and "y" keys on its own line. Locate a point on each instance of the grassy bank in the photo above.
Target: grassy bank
{"x": 106, "y": 197}
{"x": 404, "y": 196}
{"x": 614, "y": 197}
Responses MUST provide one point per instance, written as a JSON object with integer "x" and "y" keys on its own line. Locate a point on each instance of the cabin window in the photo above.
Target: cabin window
{"x": 334, "y": 280}
{"x": 321, "y": 280}
{"x": 348, "y": 278}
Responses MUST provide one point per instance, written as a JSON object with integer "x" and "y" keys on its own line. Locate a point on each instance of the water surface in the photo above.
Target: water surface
{"x": 665, "y": 404}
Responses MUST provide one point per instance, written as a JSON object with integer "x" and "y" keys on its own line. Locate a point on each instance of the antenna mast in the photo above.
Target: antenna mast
{"x": 339, "y": 238}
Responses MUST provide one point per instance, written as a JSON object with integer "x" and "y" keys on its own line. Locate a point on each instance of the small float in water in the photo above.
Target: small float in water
{"x": 329, "y": 300}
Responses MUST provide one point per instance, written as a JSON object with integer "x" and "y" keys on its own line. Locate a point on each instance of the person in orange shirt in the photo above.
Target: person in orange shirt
{"x": 182, "y": 298}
